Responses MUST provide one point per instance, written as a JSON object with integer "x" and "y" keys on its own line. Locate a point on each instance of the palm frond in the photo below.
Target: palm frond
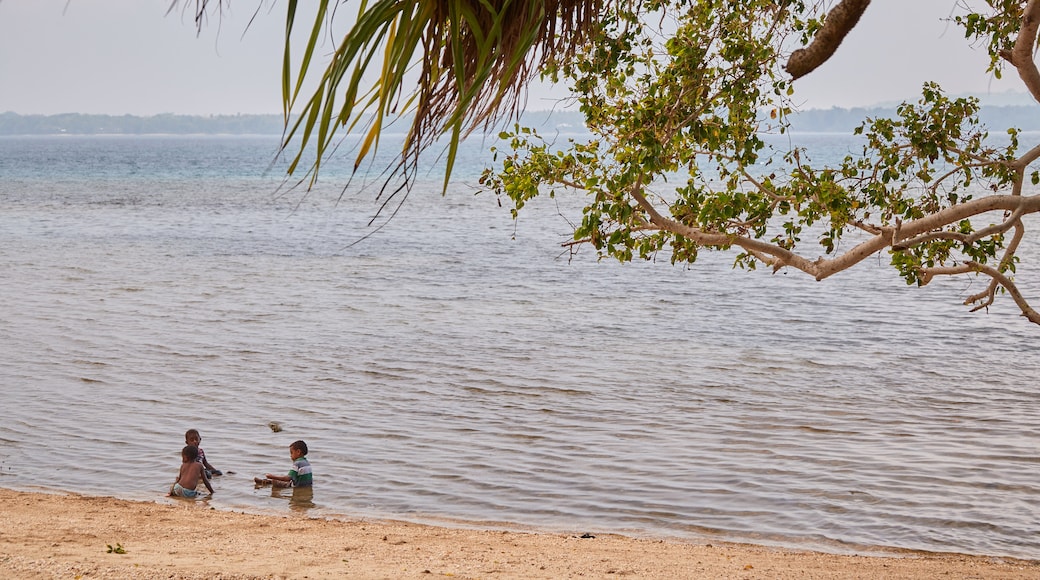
{"x": 474, "y": 58}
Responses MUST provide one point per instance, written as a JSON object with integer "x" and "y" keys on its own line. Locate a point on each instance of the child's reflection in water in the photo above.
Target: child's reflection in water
{"x": 301, "y": 499}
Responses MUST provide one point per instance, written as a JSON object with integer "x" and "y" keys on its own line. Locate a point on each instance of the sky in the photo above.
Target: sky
{"x": 132, "y": 57}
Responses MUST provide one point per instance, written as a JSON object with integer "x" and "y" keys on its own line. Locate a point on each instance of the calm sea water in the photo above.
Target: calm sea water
{"x": 456, "y": 367}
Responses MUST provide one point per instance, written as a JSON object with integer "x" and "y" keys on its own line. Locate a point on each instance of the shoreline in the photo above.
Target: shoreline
{"x": 63, "y": 535}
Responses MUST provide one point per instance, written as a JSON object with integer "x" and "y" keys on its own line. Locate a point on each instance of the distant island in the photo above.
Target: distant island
{"x": 81, "y": 124}
{"x": 835, "y": 120}
{"x": 997, "y": 117}
{"x": 170, "y": 124}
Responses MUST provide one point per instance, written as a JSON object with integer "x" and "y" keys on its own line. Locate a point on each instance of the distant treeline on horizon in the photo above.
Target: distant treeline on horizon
{"x": 835, "y": 120}
{"x": 171, "y": 124}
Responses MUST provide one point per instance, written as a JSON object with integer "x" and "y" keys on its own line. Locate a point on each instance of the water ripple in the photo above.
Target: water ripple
{"x": 454, "y": 369}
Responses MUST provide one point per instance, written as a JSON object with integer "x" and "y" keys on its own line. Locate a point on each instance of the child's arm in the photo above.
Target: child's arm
{"x": 205, "y": 480}
{"x": 279, "y": 480}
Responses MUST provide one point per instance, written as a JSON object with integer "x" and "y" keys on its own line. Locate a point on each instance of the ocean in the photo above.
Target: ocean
{"x": 453, "y": 366}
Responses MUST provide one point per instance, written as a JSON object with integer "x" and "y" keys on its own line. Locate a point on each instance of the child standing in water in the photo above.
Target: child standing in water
{"x": 299, "y": 475}
{"x": 190, "y": 474}
{"x": 192, "y": 437}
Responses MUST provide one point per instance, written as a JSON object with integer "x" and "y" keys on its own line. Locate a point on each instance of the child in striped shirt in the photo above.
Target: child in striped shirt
{"x": 299, "y": 475}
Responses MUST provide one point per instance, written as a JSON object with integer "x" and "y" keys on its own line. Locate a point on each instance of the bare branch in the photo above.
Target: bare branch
{"x": 1011, "y": 288}
{"x": 1022, "y": 53}
{"x": 983, "y": 299}
{"x": 840, "y": 20}
{"x": 1027, "y": 158}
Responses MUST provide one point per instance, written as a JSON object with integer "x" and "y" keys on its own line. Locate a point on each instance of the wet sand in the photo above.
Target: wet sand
{"x": 44, "y": 535}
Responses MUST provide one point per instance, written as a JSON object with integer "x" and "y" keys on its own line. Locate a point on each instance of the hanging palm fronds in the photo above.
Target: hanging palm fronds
{"x": 475, "y": 57}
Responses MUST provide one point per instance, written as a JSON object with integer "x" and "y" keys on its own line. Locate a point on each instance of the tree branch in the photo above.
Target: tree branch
{"x": 1022, "y": 53}
{"x": 1027, "y": 158}
{"x": 1012, "y": 289}
{"x": 987, "y": 296}
{"x": 824, "y": 268}
{"x": 840, "y": 20}
{"x": 1011, "y": 221}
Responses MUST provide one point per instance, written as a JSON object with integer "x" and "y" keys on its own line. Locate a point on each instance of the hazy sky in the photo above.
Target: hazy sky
{"x": 130, "y": 57}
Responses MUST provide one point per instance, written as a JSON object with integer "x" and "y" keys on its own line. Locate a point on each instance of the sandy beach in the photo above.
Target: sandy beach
{"x": 45, "y": 535}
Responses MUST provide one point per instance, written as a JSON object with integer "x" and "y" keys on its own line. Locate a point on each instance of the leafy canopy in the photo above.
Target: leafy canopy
{"x": 678, "y": 97}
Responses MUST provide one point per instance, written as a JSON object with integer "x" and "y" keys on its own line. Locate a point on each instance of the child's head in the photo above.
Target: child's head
{"x": 298, "y": 447}
{"x": 192, "y": 437}
{"x": 189, "y": 453}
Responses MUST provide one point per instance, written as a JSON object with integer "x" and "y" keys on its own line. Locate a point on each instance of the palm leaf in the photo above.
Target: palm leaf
{"x": 474, "y": 58}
